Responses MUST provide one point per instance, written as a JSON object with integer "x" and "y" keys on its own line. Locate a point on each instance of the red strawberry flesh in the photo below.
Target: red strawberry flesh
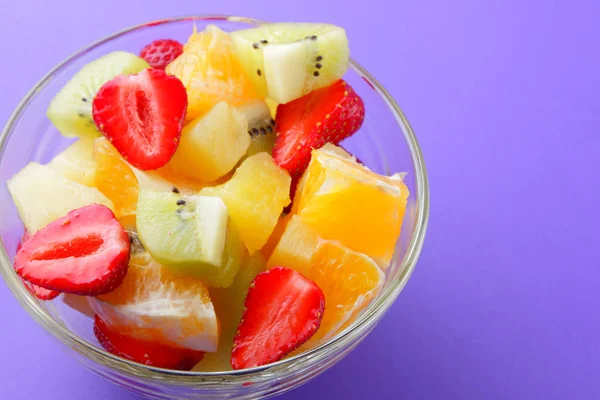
{"x": 142, "y": 116}
{"x": 283, "y": 309}
{"x": 161, "y": 52}
{"x": 326, "y": 115}
{"x": 145, "y": 352}
{"x": 85, "y": 252}
{"x": 37, "y": 291}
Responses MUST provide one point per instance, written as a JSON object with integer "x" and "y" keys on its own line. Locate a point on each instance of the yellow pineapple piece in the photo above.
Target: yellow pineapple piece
{"x": 255, "y": 197}
{"x": 212, "y": 145}
{"x": 77, "y": 162}
{"x": 295, "y": 247}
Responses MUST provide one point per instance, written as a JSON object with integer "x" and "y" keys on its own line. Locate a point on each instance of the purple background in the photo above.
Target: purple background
{"x": 505, "y": 99}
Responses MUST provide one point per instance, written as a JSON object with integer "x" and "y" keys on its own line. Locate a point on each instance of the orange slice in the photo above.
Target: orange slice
{"x": 343, "y": 200}
{"x": 210, "y": 72}
{"x": 155, "y": 305}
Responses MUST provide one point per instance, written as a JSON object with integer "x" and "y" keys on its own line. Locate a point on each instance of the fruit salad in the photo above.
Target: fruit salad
{"x": 205, "y": 215}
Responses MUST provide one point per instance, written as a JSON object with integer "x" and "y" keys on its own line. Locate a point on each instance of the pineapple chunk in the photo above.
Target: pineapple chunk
{"x": 42, "y": 196}
{"x": 77, "y": 162}
{"x": 213, "y": 144}
{"x": 255, "y": 197}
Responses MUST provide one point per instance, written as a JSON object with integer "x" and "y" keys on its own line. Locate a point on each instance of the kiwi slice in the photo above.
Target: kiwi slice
{"x": 190, "y": 234}
{"x": 288, "y": 60}
{"x": 261, "y": 127}
{"x": 71, "y": 109}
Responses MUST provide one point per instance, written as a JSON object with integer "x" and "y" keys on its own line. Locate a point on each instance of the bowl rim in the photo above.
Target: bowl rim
{"x": 364, "y": 322}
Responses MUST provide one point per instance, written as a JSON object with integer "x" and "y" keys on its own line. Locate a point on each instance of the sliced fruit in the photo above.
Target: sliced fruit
{"x": 145, "y": 352}
{"x": 299, "y": 182}
{"x": 268, "y": 248}
{"x": 38, "y": 291}
{"x": 349, "y": 281}
{"x": 327, "y": 115}
{"x": 255, "y": 197}
{"x": 167, "y": 174}
{"x": 343, "y": 200}
{"x": 229, "y": 306}
{"x": 296, "y": 246}
{"x": 120, "y": 182}
{"x": 71, "y": 109}
{"x": 261, "y": 127}
{"x": 283, "y": 310}
{"x": 161, "y": 52}
{"x": 142, "y": 116}
{"x": 116, "y": 180}
{"x": 212, "y": 144}
{"x": 77, "y": 162}
{"x": 42, "y": 196}
{"x": 210, "y": 72}
{"x": 190, "y": 234}
{"x": 85, "y": 252}
{"x": 153, "y": 304}
{"x": 288, "y": 60}
{"x": 272, "y": 106}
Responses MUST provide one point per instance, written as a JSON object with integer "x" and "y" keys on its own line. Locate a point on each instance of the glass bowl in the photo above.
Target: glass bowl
{"x": 385, "y": 143}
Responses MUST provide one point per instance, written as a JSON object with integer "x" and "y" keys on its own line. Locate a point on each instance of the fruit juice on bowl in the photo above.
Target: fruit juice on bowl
{"x": 247, "y": 196}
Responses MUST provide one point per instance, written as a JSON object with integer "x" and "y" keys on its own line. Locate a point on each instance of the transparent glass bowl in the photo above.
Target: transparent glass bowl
{"x": 385, "y": 143}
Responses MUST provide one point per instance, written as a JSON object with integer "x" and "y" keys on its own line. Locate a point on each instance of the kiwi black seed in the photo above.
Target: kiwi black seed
{"x": 318, "y": 65}
{"x": 263, "y": 130}
{"x": 316, "y": 73}
{"x": 313, "y": 37}
{"x": 272, "y": 122}
{"x": 264, "y": 41}
{"x": 256, "y": 45}
{"x": 269, "y": 128}
{"x": 84, "y": 99}
{"x": 258, "y": 72}
{"x": 319, "y": 58}
{"x": 174, "y": 190}
{"x": 254, "y": 131}
{"x": 181, "y": 202}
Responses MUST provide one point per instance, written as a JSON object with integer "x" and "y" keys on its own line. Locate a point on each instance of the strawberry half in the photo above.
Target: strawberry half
{"x": 37, "y": 291}
{"x": 142, "y": 116}
{"x": 283, "y": 310}
{"x": 327, "y": 115}
{"x": 144, "y": 352}
{"x": 85, "y": 252}
{"x": 161, "y": 52}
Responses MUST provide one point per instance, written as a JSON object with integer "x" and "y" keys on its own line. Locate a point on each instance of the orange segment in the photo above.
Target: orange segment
{"x": 343, "y": 200}
{"x": 296, "y": 246}
{"x": 349, "y": 281}
{"x": 210, "y": 72}
{"x": 116, "y": 180}
{"x": 154, "y": 304}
